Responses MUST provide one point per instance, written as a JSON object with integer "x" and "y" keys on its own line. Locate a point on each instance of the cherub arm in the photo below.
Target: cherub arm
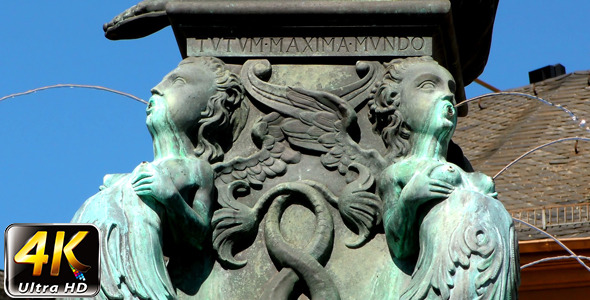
{"x": 189, "y": 221}
{"x": 397, "y": 218}
{"x": 192, "y": 222}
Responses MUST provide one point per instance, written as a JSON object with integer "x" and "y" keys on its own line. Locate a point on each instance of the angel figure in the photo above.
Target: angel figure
{"x": 443, "y": 225}
{"x": 164, "y": 207}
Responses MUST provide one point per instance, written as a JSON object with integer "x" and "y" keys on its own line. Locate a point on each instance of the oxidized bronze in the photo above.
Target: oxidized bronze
{"x": 319, "y": 165}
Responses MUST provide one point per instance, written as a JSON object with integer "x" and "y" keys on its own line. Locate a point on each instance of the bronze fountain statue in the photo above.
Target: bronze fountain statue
{"x": 289, "y": 173}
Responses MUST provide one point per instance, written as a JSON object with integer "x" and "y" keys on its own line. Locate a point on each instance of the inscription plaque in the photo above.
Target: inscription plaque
{"x": 311, "y": 46}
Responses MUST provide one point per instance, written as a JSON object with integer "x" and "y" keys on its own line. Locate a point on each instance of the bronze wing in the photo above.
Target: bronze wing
{"x": 317, "y": 120}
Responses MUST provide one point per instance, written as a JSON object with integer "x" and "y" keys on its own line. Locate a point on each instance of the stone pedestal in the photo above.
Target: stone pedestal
{"x": 298, "y": 212}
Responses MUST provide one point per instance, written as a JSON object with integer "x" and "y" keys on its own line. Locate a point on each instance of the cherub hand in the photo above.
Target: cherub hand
{"x": 422, "y": 188}
{"x": 149, "y": 183}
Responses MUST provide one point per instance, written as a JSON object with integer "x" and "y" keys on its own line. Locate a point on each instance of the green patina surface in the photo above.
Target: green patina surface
{"x": 309, "y": 231}
{"x": 162, "y": 210}
{"x": 303, "y": 179}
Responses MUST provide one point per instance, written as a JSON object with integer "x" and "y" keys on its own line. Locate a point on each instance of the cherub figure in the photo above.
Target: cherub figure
{"x": 451, "y": 219}
{"x": 164, "y": 207}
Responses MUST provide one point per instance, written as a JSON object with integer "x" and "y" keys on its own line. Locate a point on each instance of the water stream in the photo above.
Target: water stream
{"x": 580, "y": 123}
{"x": 83, "y": 86}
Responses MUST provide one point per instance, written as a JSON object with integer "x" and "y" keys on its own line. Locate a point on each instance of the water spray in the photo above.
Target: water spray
{"x": 84, "y": 86}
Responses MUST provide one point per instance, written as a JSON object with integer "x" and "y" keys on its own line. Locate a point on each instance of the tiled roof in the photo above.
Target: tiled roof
{"x": 557, "y": 176}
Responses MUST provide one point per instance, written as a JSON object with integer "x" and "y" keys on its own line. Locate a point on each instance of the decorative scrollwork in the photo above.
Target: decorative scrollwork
{"x": 310, "y": 120}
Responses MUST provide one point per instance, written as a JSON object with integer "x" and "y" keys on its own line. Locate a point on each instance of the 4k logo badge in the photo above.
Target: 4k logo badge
{"x": 52, "y": 260}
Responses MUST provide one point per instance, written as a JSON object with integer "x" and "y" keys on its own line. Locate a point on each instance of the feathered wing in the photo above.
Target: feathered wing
{"x": 320, "y": 121}
{"x": 475, "y": 259}
{"x": 236, "y": 224}
{"x": 269, "y": 161}
{"x": 304, "y": 119}
{"x": 316, "y": 120}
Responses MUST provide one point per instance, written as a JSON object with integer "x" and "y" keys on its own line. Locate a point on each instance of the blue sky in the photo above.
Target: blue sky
{"x": 57, "y": 145}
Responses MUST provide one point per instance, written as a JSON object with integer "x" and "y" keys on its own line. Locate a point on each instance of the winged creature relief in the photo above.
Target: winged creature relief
{"x": 302, "y": 119}
{"x": 321, "y": 122}
{"x": 164, "y": 207}
{"x": 275, "y": 133}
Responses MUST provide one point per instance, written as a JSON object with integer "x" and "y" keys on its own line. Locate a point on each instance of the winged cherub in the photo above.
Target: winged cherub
{"x": 444, "y": 222}
{"x": 164, "y": 207}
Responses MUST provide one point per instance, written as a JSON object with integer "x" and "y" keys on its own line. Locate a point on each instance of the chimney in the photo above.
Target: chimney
{"x": 546, "y": 73}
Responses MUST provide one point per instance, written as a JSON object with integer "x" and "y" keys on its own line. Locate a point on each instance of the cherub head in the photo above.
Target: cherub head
{"x": 202, "y": 99}
{"x": 415, "y": 95}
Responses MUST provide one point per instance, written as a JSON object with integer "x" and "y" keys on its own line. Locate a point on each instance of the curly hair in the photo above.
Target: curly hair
{"x": 226, "y": 111}
{"x": 384, "y": 102}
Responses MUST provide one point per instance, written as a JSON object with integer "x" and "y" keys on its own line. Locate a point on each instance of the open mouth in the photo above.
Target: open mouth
{"x": 150, "y": 106}
{"x": 449, "y": 111}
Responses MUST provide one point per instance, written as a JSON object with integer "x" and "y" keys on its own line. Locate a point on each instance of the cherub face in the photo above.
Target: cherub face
{"x": 428, "y": 99}
{"x": 181, "y": 97}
